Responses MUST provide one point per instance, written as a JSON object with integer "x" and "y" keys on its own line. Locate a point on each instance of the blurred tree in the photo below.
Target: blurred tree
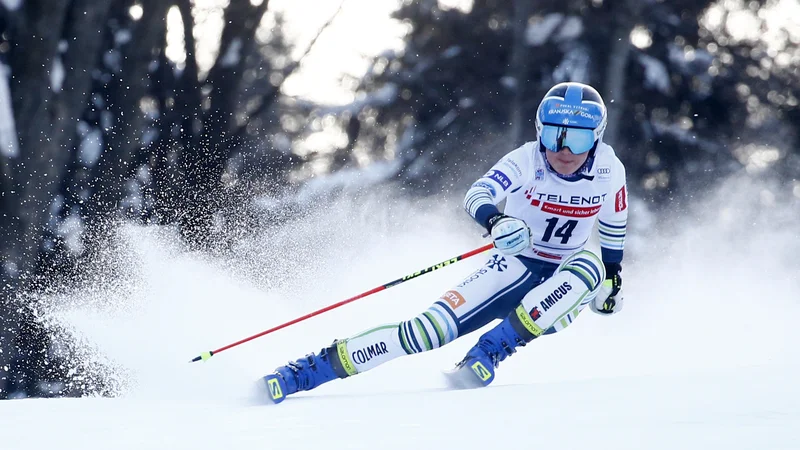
{"x": 684, "y": 98}
{"x": 101, "y": 124}
{"x": 33, "y": 173}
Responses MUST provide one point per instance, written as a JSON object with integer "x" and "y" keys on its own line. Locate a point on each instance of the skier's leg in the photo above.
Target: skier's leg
{"x": 468, "y": 306}
{"x": 550, "y": 307}
{"x": 500, "y": 284}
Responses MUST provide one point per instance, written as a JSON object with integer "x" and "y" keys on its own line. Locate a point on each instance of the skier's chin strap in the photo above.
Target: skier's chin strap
{"x": 581, "y": 173}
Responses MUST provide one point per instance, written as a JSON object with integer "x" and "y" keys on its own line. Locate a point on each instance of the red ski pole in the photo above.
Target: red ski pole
{"x": 206, "y": 355}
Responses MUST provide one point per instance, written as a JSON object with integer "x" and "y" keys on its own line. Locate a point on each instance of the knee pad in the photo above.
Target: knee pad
{"x": 558, "y": 300}
{"x": 587, "y": 267}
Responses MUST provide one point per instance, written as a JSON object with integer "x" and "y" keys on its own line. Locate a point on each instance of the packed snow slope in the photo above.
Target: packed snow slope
{"x": 704, "y": 355}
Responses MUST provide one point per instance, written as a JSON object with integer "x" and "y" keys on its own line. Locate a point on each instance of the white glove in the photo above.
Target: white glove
{"x": 511, "y": 235}
{"x": 609, "y": 298}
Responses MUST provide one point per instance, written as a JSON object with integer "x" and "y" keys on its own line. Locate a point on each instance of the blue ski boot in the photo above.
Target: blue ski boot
{"x": 304, "y": 374}
{"x": 477, "y": 367}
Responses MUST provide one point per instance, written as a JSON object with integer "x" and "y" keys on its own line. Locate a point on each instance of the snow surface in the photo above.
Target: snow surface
{"x": 704, "y": 356}
{"x": 747, "y": 409}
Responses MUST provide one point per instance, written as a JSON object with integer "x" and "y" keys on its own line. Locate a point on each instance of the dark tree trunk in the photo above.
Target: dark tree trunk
{"x": 203, "y": 161}
{"x": 624, "y": 15}
{"x": 35, "y": 173}
{"x": 46, "y": 109}
{"x": 518, "y": 71}
{"x": 124, "y": 144}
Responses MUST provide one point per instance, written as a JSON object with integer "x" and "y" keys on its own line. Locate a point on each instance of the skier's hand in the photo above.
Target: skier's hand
{"x": 511, "y": 235}
{"x": 609, "y": 299}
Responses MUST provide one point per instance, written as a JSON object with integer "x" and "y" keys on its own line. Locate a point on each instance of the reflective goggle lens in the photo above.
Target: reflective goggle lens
{"x": 579, "y": 140}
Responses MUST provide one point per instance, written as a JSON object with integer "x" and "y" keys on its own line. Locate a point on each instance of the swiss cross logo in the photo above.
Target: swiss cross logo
{"x": 622, "y": 200}
{"x": 535, "y": 314}
{"x": 454, "y": 299}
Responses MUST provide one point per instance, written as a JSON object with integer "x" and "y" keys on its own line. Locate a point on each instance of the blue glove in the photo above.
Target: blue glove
{"x": 511, "y": 235}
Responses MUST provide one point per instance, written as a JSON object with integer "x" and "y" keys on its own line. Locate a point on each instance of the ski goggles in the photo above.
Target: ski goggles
{"x": 556, "y": 137}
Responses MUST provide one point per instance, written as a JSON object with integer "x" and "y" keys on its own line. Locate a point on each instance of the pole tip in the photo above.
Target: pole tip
{"x": 203, "y": 356}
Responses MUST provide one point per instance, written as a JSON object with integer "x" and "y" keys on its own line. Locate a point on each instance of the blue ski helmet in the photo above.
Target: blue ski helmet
{"x": 571, "y": 115}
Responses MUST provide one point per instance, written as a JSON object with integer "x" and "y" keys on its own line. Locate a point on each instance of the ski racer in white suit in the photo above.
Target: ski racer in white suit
{"x": 540, "y": 278}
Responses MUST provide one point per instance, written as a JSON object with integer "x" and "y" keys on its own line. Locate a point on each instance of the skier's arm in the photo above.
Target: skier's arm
{"x": 613, "y": 219}
{"x": 612, "y": 224}
{"x": 505, "y": 177}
